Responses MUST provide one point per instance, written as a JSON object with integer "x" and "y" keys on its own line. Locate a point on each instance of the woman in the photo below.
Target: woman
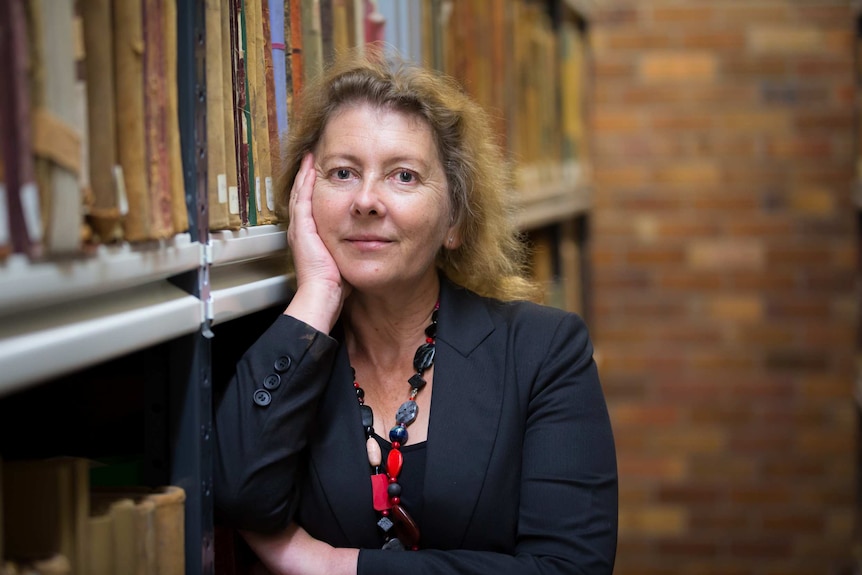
{"x": 410, "y": 397}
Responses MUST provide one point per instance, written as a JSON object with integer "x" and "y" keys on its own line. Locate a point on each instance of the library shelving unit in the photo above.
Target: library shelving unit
{"x": 77, "y": 329}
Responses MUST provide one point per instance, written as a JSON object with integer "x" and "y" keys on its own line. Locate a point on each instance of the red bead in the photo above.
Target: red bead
{"x": 414, "y": 548}
{"x": 429, "y": 340}
{"x": 356, "y": 384}
{"x": 396, "y": 444}
{"x": 384, "y": 513}
{"x": 394, "y": 462}
{"x": 395, "y": 500}
{"x": 380, "y": 496}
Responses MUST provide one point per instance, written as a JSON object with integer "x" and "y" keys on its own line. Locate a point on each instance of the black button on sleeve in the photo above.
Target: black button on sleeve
{"x": 282, "y": 364}
{"x": 262, "y": 397}
{"x": 272, "y": 381}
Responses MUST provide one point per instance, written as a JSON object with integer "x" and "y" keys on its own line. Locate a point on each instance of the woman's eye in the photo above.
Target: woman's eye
{"x": 342, "y": 174}
{"x": 406, "y": 177}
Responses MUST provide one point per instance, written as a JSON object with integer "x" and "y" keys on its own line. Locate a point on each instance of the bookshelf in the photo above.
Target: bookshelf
{"x": 150, "y": 309}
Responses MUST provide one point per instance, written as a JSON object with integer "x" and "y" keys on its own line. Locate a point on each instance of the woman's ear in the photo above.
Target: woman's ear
{"x": 453, "y": 239}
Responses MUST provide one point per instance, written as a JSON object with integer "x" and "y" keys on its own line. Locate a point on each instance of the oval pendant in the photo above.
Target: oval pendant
{"x": 407, "y": 412}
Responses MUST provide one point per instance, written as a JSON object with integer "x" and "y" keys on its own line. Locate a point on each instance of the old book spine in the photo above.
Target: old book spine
{"x": 169, "y": 521}
{"x": 297, "y": 54}
{"x": 238, "y": 103}
{"x": 217, "y": 192}
{"x": 179, "y": 210}
{"x": 260, "y": 111}
{"x": 21, "y": 194}
{"x": 279, "y": 45}
{"x": 155, "y": 105}
{"x": 104, "y": 213}
{"x": 57, "y": 135}
{"x": 129, "y": 88}
{"x": 248, "y": 212}
{"x": 231, "y": 184}
{"x": 312, "y": 41}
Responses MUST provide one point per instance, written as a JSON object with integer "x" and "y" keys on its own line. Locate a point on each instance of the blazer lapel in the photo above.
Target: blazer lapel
{"x": 465, "y": 413}
{"x": 340, "y": 459}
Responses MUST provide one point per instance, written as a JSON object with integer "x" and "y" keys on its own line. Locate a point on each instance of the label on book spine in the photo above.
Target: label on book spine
{"x": 233, "y": 202}
{"x": 257, "y": 194}
{"x": 5, "y": 235}
{"x": 270, "y": 195}
{"x": 30, "y": 206}
{"x": 120, "y": 187}
{"x": 222, "y": 188}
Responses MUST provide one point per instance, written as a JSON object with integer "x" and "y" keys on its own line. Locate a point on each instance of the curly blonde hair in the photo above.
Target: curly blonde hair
{"x": 491, "y": 259}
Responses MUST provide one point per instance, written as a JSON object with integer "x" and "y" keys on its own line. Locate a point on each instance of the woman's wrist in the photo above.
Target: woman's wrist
{"x": 318, "y": 305}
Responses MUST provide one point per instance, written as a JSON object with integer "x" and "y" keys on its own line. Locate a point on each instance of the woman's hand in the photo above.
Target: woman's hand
{"x": 295, "y": 552}
{"x": 320, "y": 288}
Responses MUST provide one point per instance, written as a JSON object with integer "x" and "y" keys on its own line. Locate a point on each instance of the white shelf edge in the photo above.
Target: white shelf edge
{"x": 248, "y": 243}
{"x": 28, "y": 285}
{"x": 247, "y": 287}
{"x": 60, "y": 339}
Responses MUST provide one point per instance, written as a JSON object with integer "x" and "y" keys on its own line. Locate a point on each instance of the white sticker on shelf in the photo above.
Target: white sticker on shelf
{"x": 5, "y": 235}
{"x": 221, "y": 180}
{"x": 270, "y": 196}
{"x": 120, "y": 188}
{"x": 233, "y": 203}
{"x": 257, "y": 194}
{"x": 30, "y": 206}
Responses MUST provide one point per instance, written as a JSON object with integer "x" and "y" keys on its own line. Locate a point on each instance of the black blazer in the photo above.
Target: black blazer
{"x": 520, "y": 470}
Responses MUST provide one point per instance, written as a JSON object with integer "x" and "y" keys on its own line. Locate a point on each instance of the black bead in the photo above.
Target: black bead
{"x": 369, "y": 431}
{"x": 360, "y": 393}
{"x": 434, "y": 315}
{"x": 416, "y": 381}
{"x": 367, "y": 416}
{"x": 424, "y": 357}
{"x": 393, "y": 544}
{"x": 431, "y": 330}
{"x": 394, "y": 490}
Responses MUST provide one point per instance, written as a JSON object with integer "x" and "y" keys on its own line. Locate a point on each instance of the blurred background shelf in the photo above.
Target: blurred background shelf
{"x": 39, "y": 344}
{"x": 248, "y": 243}
{"x": 244, "y": 288}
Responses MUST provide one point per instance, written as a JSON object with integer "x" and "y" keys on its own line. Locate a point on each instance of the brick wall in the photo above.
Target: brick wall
{"x": 724, "y": 261}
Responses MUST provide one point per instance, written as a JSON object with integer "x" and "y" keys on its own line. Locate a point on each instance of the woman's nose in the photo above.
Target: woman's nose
{"x": 368, "y": 200}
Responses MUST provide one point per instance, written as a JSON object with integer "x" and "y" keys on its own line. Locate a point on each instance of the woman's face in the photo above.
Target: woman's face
{"x": 381, "y": 200}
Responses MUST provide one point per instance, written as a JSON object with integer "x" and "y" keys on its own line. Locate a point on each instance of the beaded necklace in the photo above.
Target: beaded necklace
{"x": 399, "y": 529}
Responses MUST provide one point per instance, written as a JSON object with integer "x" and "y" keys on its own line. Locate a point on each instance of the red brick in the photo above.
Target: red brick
{"x": 666, "y": 468}
{"x": 725, "y": 40}
{"x": 681, "y": 66}
{"x": 679, "y": 15}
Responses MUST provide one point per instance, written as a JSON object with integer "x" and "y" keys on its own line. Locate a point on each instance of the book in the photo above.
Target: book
{"x": 156, "y": 121}
{"x": 129, "y": 92}
{"x": 297, "y": 50}
{"x": 260, "y": 133}
{"x": 150, "y": 525}
{"x": 231, "y": 186}
{"x": 56, "y": 127}
{"x": 46, "y": 505}
{"x": 20, "y": 194}
{"x": 179, "y": 209}
{"x": 278, "y": 44}
{"x": 312, "y": 39}
{"x": 133, "y": 536}
{"x": 217, "y": 107}
{"x": 103, "y": 214}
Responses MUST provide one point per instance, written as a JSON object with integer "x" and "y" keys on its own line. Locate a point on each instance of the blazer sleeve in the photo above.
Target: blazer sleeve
{"x": 262, "y": 422}
{"x": 568, "y": 497}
